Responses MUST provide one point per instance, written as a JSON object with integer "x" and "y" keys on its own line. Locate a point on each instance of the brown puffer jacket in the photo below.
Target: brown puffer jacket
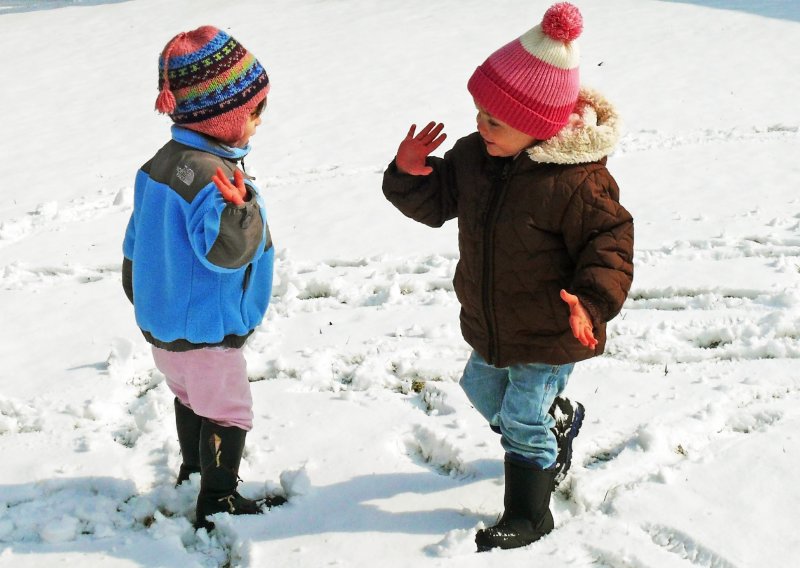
{"x": 528, "y": 227}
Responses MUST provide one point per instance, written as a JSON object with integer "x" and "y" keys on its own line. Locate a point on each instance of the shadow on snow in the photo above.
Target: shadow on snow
{"x": 351, "y": 506}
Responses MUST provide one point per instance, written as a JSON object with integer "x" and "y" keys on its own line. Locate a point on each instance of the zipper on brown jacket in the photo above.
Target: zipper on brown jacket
{"x": 499, "y": 187}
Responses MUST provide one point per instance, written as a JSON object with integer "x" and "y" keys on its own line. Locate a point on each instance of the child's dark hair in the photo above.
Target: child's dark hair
{"x": 259, "y": 109}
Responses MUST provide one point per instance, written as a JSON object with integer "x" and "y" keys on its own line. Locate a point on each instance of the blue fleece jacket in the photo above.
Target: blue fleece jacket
{"x": 197, "y": 268}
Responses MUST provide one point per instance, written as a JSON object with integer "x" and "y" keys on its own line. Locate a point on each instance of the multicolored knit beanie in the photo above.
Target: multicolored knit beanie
{"x": 532, "y": 83}
{"x": 210, "y": 83}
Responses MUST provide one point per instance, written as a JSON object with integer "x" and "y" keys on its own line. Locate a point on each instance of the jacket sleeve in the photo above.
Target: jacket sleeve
{"x": 430, "y": 199}
{"x": 127, "y": 278}
{"x": 599, "y": 236}
{"x": 225, "y": 236}
{"x": 127, "y": 259}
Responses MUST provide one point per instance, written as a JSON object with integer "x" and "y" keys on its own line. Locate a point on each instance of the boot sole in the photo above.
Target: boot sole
{"x": 264, "y": 504}
{"x": 574, "y": 430}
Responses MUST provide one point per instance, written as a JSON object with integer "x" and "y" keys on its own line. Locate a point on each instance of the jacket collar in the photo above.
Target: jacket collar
{"x": 196, "y": 140}
{"x": 592, "y": 133}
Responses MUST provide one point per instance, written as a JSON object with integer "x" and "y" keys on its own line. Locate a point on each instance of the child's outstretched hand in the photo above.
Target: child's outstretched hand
{"x": 232, "y": 192}
{"x": 579, "y": 320}
{"x": 414, "y": 149}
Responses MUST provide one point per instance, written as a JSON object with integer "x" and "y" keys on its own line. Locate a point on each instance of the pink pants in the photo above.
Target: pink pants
{"x": 211, "y": 381}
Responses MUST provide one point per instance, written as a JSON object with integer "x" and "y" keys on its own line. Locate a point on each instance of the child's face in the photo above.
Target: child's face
{"x": 253, "y": 122}
{"x": 501, "y": 140}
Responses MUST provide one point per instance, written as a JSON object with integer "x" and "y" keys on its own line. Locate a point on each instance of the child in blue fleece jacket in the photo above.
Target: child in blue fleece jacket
{"x": 198, "y": 256}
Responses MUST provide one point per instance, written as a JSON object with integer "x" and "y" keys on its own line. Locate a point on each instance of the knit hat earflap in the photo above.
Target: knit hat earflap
{"x": 208, "y": 82}
{"x": 532, "y": 83}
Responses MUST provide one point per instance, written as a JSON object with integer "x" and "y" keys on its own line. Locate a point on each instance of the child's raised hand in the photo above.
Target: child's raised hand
{"x": 232, "y": 192}
{"x": 579, "y": 320}
{"x": 414, "y": 149}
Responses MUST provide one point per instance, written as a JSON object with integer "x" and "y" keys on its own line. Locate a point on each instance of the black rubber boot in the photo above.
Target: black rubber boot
{"x": 188, "y": 425}
{"x": 527, "y": 516}
{"x": 220, "y": 454}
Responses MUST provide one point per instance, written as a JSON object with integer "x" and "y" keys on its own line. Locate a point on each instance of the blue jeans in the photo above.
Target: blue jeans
{"x": 516, "y": 400}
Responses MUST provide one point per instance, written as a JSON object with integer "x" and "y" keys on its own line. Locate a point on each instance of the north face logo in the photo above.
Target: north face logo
{"x": 185, "y": 174}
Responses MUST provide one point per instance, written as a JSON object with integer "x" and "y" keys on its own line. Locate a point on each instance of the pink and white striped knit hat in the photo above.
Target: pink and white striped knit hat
{"x": 532, "y": 83}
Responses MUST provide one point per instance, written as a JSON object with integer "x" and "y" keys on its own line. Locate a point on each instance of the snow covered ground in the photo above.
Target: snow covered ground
{"x": 691, "y": 444}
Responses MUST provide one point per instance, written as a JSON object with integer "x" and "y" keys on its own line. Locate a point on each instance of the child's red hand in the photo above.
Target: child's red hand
{"x": 232, "y": 192}
{"x": 414, "y": 149}
{"x": 579, "y": 320}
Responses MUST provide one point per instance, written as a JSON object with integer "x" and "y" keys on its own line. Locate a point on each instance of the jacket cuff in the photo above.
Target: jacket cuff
{"x": 593, "y": 311}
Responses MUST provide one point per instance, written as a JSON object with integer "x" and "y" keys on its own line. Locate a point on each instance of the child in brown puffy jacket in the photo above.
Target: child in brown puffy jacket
{"x": 546, "y": 249}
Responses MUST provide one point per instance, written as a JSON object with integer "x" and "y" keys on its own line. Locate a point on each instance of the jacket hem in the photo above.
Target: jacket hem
{"x": 180, "y": 345}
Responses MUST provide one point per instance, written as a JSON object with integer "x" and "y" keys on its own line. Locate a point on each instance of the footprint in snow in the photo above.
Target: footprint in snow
{"x": 436, "y": 451}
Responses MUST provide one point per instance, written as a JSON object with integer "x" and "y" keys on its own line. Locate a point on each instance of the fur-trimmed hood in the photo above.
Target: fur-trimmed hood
{"x": 592, "y": 133}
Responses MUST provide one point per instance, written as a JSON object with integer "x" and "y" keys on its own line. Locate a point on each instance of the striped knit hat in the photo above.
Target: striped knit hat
{"x": 532, "y": 83}
{"x": 210, "y": 83}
